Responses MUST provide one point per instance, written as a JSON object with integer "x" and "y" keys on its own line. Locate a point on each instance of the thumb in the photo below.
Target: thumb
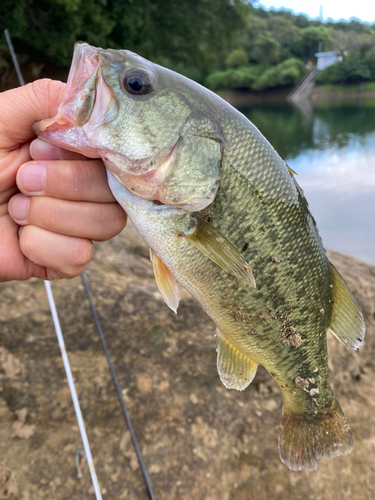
{"x": 23, "y": 106}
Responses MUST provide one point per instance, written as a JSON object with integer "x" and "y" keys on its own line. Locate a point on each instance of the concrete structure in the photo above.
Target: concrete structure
{"x": 303, "y": 90}
{"x": 326, "y": 59}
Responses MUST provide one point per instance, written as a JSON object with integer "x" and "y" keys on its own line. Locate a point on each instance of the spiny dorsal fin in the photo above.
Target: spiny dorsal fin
{"x": 290, "y": 170}
{"x": 236, "y": 370}
{"x": 217, "y": 248}
{"x": 166, "y": 282}
{"x": 347, "y": 323}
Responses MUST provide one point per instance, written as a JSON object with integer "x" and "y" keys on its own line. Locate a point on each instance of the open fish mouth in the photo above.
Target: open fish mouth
{"x": 85, "y": 106}
{"x": 89, "y": 103}
{"x": 94, "y": 116}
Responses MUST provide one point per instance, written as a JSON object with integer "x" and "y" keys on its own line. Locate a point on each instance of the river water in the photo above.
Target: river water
{"x": 331, "y": 146}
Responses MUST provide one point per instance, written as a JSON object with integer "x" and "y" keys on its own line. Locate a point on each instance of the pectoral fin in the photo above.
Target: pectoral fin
{"x": 166, "y": 282}
{"x": 347, "y": 323}
{"x": 236, "y": 370}
{"x": 217, "y": 248}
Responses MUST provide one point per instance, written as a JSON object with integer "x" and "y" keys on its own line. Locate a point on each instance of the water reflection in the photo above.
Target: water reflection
{"x": 333, "y": 151}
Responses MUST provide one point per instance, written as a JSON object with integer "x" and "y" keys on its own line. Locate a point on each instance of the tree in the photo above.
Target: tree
{"x": 288, "y": 72}
{"x": 346, "y": 41}
{"x": 287, "y": 34}
{"x": 192, "y": 32}
{"x": 236, "y": 58}
{"x": 311, "y": 37}
{"x": 351, "y": 70}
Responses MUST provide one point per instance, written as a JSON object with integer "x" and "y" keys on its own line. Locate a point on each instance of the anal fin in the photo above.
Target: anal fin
{"x": 347, "y": 323}
{"x": 217, "y": 248}
{"x": 236, "y": 370}
{"x": 166, "y": 282}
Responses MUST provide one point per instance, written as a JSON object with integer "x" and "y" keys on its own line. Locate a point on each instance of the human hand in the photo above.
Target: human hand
{"x": 46, "y": 231}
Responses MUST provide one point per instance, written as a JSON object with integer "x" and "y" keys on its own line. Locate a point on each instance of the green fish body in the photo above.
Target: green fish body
{"x": 224, "y": 216}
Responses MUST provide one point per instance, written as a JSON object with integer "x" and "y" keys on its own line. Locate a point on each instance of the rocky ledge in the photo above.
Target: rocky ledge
{"x": 199, "y": 440}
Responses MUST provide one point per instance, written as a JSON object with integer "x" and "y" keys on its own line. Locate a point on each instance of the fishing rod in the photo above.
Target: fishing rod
{"x": 66, "y": 363}
{"x": 69, "y": 376}
{"x": 14, "y": 58}
{"x": 118, "y": 390}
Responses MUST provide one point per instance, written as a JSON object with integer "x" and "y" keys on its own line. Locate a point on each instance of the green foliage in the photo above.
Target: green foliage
{"x": 237, "y": 57}
{"x": 225, "y": 43}
{"x": 265, "y": 49}
{"x": 351, "y": 41}
{"x": 369, "y": 59}
{"x": 47, "y": 29}
{"x": 257, "y": 77}
{"x": 188, "y": 31}
{"x": 347, "y": 71}
{"x": 287, "y": 34}
{"x": 260, "y": 44}
{"x": 238, "y": 78}
{"x": 288, "y": 72}
{"x": 311, "y": 37}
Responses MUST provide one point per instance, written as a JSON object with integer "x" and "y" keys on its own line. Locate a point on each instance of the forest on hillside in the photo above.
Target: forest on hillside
{"x": 221, "y": 43}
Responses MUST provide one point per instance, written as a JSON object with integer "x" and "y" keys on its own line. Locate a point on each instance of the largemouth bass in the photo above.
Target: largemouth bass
{"x": 224, "y": 216}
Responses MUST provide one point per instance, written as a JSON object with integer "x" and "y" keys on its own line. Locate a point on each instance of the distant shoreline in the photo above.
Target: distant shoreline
{"x": 339, "y": 92}
{"x": 244, "y": 98}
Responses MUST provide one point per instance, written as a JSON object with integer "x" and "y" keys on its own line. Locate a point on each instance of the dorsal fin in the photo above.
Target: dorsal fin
{"x": 236, "y": 370}
{"x": 217, "y": 248}
{"x": 347, "y": 323}
{"x": 290, "y": 170}
{"x": 166, "y": 282}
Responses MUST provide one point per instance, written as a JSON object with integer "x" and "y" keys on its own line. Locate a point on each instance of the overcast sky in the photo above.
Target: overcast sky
{"x": 336, "y": 9}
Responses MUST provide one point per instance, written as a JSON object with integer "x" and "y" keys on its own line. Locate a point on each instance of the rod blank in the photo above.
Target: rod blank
{"x": 14, "y": 58}
{"x": 72, "y": 388}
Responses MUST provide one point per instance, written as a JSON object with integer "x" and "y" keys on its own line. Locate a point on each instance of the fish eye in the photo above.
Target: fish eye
{"x": 137, "y": 82}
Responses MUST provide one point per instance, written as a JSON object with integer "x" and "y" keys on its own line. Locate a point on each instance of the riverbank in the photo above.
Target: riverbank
{"x": 244, "y": 98}
{"x": 198, "y": 439}
{"x": 343, "y": 92}
{"x": 239, "y": 98}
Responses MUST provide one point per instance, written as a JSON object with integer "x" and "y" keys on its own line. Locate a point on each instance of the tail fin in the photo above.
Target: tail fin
{"x": 305, "y": 438}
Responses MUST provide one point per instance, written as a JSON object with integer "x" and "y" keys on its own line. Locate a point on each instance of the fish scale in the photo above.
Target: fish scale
{"x": 274, "y": 289}
{"x": 224, "y": 216}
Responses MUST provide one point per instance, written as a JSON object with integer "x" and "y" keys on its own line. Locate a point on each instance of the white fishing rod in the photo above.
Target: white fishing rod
{"x": 60, "y": 338}
{"x": 69, "y": 376}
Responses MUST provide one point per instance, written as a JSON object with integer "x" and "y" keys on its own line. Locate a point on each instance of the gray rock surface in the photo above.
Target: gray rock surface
{"x": 199, "y": 440}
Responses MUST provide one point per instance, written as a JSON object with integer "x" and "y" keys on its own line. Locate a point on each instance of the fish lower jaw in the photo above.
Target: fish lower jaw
{"x": 150, "y": 186}
{"x": 134, "y": 205}
{"x": 144, "y": 186}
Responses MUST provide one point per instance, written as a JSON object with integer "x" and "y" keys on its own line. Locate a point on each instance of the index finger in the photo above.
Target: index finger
{"x": 73, "y": 180}
{"x": 42, "y": 150}
{"x": 22, "y": 107}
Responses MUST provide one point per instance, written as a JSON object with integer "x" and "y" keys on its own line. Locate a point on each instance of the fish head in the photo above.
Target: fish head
{"x": 151, "y": 126}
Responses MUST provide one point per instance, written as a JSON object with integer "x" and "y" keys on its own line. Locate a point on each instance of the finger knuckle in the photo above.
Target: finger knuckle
{"x": 82, "y": 252}
{"x": 28, "y": 242}
{"x": 113, "y": 221}
{"x": 78, "y": 180}
{"x": 46, "y": 88}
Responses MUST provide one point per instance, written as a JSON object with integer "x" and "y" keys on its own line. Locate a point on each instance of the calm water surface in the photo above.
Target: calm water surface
{"x": 332, "y": 148}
